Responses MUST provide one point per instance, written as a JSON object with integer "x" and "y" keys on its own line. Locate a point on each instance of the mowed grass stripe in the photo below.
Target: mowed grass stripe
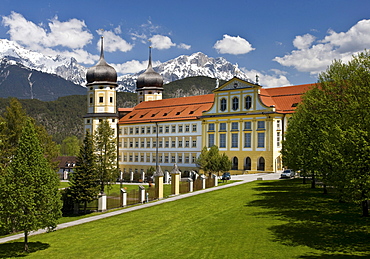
{"x": 261, "y": 219}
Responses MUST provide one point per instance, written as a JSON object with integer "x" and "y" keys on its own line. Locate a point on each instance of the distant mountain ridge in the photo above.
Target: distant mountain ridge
{"x": 197, "y": 64}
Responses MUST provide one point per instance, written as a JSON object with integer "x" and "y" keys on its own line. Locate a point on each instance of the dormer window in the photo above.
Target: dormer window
{"x": 248, "y": 102}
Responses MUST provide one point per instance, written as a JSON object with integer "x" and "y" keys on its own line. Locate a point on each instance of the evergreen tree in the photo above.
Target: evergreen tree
{"x": 106, "y": 152}
{"x": 84, "y": 185}
{"x": 29, "y": 197}
{"x": 212, "y": 162}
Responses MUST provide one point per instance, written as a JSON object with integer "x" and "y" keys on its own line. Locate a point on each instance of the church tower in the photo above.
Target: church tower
{"x": 149, "y": 85}
{"x": 101, "y": 94}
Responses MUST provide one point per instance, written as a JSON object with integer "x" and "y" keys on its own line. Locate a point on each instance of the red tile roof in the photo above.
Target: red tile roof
{"x": 285, "y": 99}
{"x": 183, "y": 108}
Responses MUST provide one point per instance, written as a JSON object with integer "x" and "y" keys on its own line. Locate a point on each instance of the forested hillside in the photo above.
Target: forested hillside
{"x": 64, "y": 116}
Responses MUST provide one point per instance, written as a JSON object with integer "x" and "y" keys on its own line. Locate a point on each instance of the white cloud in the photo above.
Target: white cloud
{"x": 183, "y": 46}
{"x": 266, "y": 80}
{"x": 133, "y": 66}
{"x": 70, "y": 34}
{"x": 161, "y": 42}
{"x": 315, "y": 58}
{"x": 113, "y": 42}
{"x": 303, "y": 42}
{"x": 233, "y": 45}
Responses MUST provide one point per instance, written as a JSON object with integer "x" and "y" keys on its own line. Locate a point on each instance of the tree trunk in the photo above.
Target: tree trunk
{"x": 304, "y": 179}
{"x": 313, "y": 184}
{"x": 365, "y": 208}
{"x": 325, "y": 189}
{"x": 26, "y": 241}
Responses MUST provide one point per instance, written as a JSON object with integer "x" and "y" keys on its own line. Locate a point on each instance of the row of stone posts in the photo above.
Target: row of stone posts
{"x": 158, "y": 179}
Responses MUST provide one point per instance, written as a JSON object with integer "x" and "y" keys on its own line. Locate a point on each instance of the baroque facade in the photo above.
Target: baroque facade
{"x": 245, "y": 120}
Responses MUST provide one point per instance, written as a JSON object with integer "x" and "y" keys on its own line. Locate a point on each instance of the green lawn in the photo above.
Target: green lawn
{"x": 263, "y": 219}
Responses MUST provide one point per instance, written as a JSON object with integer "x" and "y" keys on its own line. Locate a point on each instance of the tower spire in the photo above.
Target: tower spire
{"x": 101, "y": 48}
{"x": 150, "y": 57}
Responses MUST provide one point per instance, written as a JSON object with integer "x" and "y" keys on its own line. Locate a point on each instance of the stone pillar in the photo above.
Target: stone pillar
{"x": 159, "y": 182}
{"x": 166, "y": 177}
{"x": 123, "y": 198}
{"x": 142, "y": 176}
{"x": 215, "y": 180}
{"x": 131, "y": 176}
{"x": 203, "y": 178}
{"x": 191, "y": 185}
{"x": 102, "y": 202}
{"x": 141, "y": 194}
{"x": 175, "y": 180}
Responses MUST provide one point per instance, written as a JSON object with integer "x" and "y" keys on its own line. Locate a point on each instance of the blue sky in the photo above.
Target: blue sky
{"x": 285, "y": 42}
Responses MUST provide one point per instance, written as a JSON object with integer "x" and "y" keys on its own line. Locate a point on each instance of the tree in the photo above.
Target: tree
{"x": 29, "y": 197}
{"x": 212, "y": 162}
{"x": 106, "y": 152}
{"x": 70, "y": 146}
{"x": 84, "y": 185}
{"x": 334, "y": 121}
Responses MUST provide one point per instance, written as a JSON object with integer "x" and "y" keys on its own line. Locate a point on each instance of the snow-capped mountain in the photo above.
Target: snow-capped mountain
{"x": 67, "y": 68}
{"x": 197, "y": 64}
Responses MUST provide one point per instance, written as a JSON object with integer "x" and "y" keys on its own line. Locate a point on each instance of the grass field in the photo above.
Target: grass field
{"x": 262, "y": 219}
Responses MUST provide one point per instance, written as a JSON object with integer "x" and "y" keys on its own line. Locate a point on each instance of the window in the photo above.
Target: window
{"x": 187, "y": 159}
{"x": 222, "y": 140}
{"x": 160, "y": 159}
{"x": 166, "y": 159}
{"x": 211, "y": 127}
{"x": 120, "y": 144}
{"x": 278, "y": 139}
{"x": 167, "y": 143}
{"x": 173, "y": 144}
{"x": 142, "y": 158}
{"x": 247, "y": 163}
{"x": 124, "y": 158}
{"x": 223, "y": 104}
{"x": 211, "y": 140}
{"x": 187, "y": 128}
{"x": 261, "y": 140}
{"x": 91, "y": 100}
{"x": 260, "y": 125}
{"x": 101, "y": 99}
{"x": 154, "y": 129}
{"x": 180, "y": 128}
{"x": 247, "y": 140}
{"x": 148, "y": 130}
{"x": 223, "y": 126}
{"x": 187, "y": 143}
{"x": 247, "y": 125}
{"x": 193, "y": 159}
{"x": 137, "y": 130}
{"x": 125, "y": 131}
{"x": 173, "y": 128}
{"x": 179, "y": 159}
{"x": 142, "y": 130}
{"x": 148, "y": 158}
{"x": 180, "y": 143}
{"x": 234, "y": 163}
{"x": 235, "y": 103}
{"x": 142, "y": 144}
{"x": 234, "y": 126}
{"x": 110, "y": 99}
{"x": 130, "y": 158}
{"x": 131, "y": 131}
{"x": 136, "y": 158}
{"x": 234, "y": 140}
{"x": 137, "y": 144}
{"x": 194, "y": 143}
{"x": 278, "y": 124}
{"x": 131, "y": 144}
{"x": 120, "y": 131}
{"x": 125, "y": 144}
{"x": 173, "y": 159}
{"x": 160, "y": 144}
{"x": 154, "y": 144}
{"x": 160, "y": 129}
{"x": 148, "y": 143}
{"x": 261, "y": 164}
{"x": 167, "y": 129}
{"x": 248, "y": 102}
{"x": 194, "y": 127}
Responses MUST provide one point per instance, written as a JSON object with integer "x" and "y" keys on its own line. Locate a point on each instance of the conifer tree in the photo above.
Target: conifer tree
{"x": 29, "y": 197}
{"x": 106, "y": 152}
{"x": 84, "y": 182}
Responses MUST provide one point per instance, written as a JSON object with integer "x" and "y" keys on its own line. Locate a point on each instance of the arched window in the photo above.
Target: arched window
{"x": 247, "y": 163}
{"x": 223, "y": 104}
{"x": 235, "y": 103}
{"x": 261, "y": 164}
{"x": 248, "y": 102}
{"x": 235, "y": 163}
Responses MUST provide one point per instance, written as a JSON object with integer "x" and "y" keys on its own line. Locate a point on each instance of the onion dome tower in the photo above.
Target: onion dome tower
{"x": 101, "y": 94}
{"x": 149, "y": 85}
